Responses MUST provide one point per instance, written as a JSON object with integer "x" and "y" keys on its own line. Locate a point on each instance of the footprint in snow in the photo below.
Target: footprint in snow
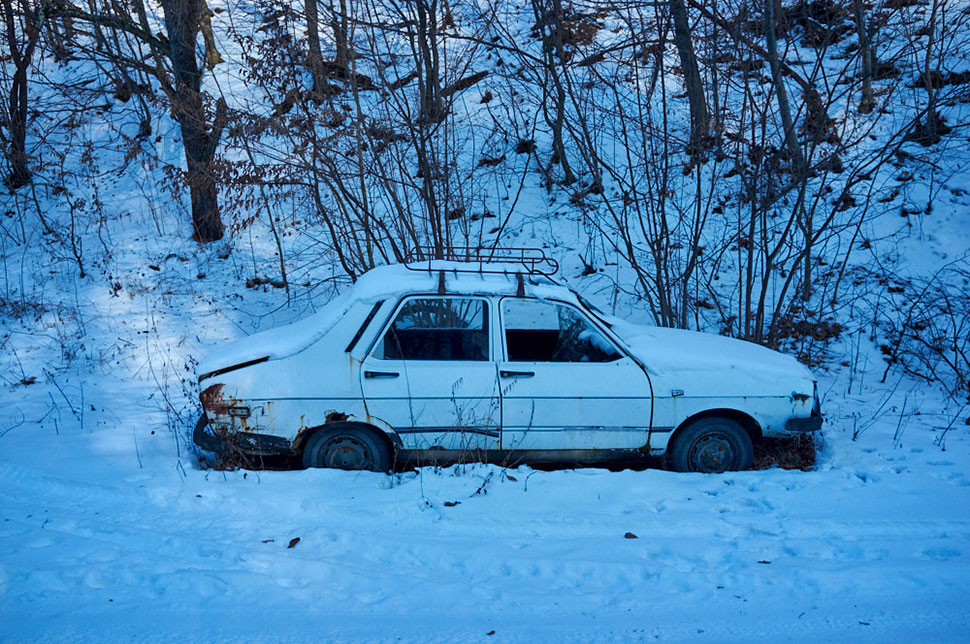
{"x": 941, "y": 553}
{"x": 41, "y": 542}
{"x": 865, "y": 477}
{"x": 97, "y": 579}
{"x": 760, "y": 506}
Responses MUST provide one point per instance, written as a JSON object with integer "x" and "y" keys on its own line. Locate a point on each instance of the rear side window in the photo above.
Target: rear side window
{"x": 437, "y": 328}
{"x": 538, "y": 331}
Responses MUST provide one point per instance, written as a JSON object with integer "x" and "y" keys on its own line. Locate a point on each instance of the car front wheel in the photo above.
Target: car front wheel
{"x": 349, "y": 446}
{"x": 711, "y": 445}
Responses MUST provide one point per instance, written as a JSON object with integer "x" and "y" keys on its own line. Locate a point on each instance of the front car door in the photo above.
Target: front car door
{"x": 564, "y": 384}
{"x": 433, "y": 375}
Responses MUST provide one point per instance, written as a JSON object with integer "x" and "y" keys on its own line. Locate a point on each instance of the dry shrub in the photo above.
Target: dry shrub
{"x": 930, "y": 338}
{"x": 797, "y": 453}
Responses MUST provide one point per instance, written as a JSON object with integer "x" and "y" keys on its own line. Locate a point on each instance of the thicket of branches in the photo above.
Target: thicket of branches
{"x": 727, "y": 154}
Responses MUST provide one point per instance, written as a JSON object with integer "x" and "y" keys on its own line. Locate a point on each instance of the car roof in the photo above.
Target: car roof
{"x": 390, "y": 282}
{"x": 460, "y": 278}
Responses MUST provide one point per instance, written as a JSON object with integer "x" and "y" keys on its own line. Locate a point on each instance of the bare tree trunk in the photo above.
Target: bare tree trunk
{"x": 868, "y": 102}
{"x": 692, "y": 78}
{"x": 429, "y": 79}
{"x": 313, "y": 42}
{"x": 16, "y": 153}
{"x": 784, "y": 107}
{"x": 799, "y": 169}
{"x": 182, "y": 21}
{"x": 550, "y": 23}
{"x": 932, "y": 121}
{"x": 340, "y": 23}
{"x": 58, "y": 40}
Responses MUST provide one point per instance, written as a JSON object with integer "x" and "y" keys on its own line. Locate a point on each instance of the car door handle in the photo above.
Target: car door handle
{"x": 516, "y": 374}
{"x": 381, "y": 374}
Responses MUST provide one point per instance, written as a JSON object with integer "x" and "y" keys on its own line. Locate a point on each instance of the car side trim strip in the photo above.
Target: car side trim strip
{"x": 491, "y": 433}
{"x": 581, "y": 428}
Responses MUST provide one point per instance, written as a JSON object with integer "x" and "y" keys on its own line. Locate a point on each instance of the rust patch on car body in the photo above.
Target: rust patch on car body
{"x": 334, "y": 416}
{"x": 802, "y": 398}
{"x": 213, "y": 401}
{"x": 217, "y": 404}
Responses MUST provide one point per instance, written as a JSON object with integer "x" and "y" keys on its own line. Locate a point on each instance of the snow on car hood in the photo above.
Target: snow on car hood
{"x": 704, "y": 364}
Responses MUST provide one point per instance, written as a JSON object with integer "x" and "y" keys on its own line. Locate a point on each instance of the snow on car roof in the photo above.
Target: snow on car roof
{"x": 460, "y": 278}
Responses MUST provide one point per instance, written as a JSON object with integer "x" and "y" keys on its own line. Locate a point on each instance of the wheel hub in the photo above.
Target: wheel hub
{"x": 712, "y": 453}
{"x": 347, "y": 454}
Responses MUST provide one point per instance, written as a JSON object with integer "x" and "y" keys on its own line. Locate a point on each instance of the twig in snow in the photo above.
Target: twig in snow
{"x": 79, "y": 415}
{"x": 13, "y": 425}
{"x": 941, "y": 439}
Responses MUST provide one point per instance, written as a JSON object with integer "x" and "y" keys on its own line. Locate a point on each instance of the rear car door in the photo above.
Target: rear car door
{"x": 564, "y": 384}
{"x": 433, "y": 375}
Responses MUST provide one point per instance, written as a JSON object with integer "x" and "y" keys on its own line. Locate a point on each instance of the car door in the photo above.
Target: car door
{"x": 432, "y": 376}
{"x": 564, "y": 384}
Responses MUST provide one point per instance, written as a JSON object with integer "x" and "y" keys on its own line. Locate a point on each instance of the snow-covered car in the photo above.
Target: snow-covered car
{"x": 498, "y": 362}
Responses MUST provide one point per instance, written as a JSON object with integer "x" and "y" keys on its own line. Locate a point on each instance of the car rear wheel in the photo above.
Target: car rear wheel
{"x": 711, "y": 445}
{"x": 349, "y": 446}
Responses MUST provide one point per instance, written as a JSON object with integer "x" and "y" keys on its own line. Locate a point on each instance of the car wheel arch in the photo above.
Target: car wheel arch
{"x": 390, "y": 438}
{"x": 750, "y": 425}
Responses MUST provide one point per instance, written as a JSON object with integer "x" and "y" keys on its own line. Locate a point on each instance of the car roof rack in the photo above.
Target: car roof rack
{"x": 496, "y": 261}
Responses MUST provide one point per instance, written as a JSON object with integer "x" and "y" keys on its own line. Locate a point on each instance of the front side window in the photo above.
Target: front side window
{"x": 538, "y": 331}
{"x": 437, "y": 328}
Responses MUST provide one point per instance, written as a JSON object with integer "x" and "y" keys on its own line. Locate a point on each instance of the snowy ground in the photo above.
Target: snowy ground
{"x": 108, "y": 536}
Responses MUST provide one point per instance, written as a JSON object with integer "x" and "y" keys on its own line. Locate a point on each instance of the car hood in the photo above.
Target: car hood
{"x": 276, "y": 343}
{"x": 705, "y": 364}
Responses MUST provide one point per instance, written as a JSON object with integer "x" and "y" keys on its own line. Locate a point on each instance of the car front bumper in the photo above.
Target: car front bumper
{"x": 248, "y": 443}
{"x": 803, "y": 425}
{"x": 204, "y": 439}
{"x": 811, "y": 424}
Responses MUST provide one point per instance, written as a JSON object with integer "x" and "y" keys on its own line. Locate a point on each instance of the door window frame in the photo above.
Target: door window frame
{"x": 489, "y": 317}
{"x": 500, "y": 329}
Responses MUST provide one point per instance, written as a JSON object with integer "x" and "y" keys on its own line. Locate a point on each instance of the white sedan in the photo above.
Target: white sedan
{"x": 449, "y": 361}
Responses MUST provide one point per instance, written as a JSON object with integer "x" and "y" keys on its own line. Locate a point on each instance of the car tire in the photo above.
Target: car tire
{"x": 348, "y": 446}
{"x": 711, "y": 445}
